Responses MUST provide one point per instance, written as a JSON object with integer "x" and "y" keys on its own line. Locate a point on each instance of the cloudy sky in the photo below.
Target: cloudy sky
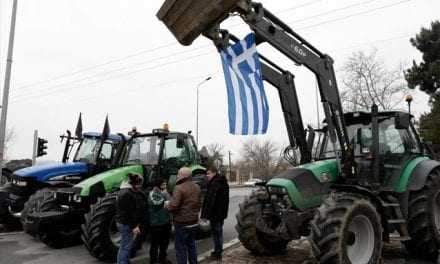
{"x": 114, "y": 57}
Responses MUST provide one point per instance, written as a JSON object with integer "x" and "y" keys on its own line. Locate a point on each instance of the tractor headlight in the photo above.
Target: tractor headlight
{"x": 20, "y": 183}
{"x": 77, "y": 198}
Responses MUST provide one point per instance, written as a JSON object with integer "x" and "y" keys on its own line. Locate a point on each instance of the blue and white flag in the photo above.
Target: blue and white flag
{"x": 247, "y": 101}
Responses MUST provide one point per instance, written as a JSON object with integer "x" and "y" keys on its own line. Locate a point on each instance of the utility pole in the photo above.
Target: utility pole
{"x": 6, "y": 86}
{"x": 230, "y": 166}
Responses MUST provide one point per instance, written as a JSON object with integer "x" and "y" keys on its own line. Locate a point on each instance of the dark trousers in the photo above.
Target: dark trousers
{"x": 160, "y": 238}
{"x": 217, "y": 236}
{"x": 185, "y": 244}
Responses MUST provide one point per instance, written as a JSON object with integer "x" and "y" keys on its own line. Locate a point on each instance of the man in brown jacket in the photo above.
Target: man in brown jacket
{"x": 185, "y": 206}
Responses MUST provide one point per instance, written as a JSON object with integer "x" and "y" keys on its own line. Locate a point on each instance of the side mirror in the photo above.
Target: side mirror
{"x": 402, "y": 121}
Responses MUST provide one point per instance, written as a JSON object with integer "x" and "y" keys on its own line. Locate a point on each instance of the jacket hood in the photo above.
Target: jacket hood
{"x": 46, "y": 172}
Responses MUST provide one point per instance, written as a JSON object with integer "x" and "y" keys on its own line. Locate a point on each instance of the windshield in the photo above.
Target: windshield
{"x": 144, "y": 150}
{"x": 391, "y": 139}
{"x": 89, "y": 148}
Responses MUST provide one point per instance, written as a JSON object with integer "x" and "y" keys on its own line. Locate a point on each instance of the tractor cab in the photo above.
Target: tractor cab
{"x": 99, "y": 155}
{"x": 162, "y": 153}
{"x": 398, "y": 144}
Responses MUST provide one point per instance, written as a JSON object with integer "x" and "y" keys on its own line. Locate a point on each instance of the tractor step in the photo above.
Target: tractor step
{"x": 400, "y": 238}
{"x": 396, "y": 221}
{"x": 384, "y": 204}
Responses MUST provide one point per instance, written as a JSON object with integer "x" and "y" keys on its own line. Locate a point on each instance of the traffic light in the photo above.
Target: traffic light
{"x": 41, "y": 147}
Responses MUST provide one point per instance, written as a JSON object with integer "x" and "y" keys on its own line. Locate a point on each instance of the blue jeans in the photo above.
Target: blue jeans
{"x": 217, "y": 236}
{"x": 126, "y": 243}
{"x": 185, "y": 244}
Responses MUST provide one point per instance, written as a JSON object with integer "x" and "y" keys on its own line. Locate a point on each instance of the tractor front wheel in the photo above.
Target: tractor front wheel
{"x": 248, "y": 234}
{"x": 32, "y": 206}
{"x": 424, "y": 219}
{"x": 346, "y": 229}
{"x": 60, "y": 234}
{"x": 100, "y": 233}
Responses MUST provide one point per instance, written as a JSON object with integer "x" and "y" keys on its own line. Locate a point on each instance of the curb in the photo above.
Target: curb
{"x": 226, "y": 246}
{"x": 10, "y": 233}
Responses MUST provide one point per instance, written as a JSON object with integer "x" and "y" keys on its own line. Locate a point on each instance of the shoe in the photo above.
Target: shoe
{"x": 166, "y": 261}
{"x": 215, "y": 257}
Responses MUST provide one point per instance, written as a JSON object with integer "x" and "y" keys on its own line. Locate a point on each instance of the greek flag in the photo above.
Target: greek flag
{"x": 247, "y": 101}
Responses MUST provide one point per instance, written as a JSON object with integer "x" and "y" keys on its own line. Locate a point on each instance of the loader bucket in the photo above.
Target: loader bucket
{"x": 187, "y": 19}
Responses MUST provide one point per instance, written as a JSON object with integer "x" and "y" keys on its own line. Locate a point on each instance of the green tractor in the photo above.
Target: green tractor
{"x": 87, "y": 210}
{"x": 367, "y": 176}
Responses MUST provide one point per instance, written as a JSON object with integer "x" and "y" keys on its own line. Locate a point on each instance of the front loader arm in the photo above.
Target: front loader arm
{"x": 268, "y": 28}
{"x": 190, "y": 18}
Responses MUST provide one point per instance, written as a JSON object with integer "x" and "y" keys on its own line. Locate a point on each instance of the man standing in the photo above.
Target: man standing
{"x": 131, "y": 212}
{"x": 185, "y": 207}
{"x": 215, "y": 208}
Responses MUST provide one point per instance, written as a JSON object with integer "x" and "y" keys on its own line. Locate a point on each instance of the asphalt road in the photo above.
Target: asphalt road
{"x": 19, "y": 248}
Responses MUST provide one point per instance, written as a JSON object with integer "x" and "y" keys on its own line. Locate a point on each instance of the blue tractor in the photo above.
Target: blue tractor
{"x": 96, "y": 152}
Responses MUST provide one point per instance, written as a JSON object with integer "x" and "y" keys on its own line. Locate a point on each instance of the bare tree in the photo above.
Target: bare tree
{"x": 215, "y": 152}
{"x": 261, "y": 158}
{"x": 9, "y": 138}
{"x": 366, "y": 80}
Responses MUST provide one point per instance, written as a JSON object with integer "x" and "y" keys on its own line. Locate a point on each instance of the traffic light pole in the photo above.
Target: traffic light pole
{"x": 34, "y": 150}
{"x": 6, "y": 86}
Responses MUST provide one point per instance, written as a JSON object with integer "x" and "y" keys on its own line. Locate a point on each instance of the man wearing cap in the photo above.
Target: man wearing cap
{"x": 185, "y": 206}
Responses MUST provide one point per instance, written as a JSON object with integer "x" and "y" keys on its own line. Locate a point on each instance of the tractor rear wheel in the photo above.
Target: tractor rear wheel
{"x": 424, "y": 219}
{"x": 346, "y": 229}
{"x": 61, "y": 234}
{"x": 100, "y": 233}
{"x": 252, "y": 239}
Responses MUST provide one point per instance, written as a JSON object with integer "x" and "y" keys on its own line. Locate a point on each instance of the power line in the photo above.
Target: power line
{"x": 118, "y": 76}
{"x": 354, "y": 15}
{"x": 107, "y": 72}
{"x": 115, "y": 77}
{"x": 333, "y": 11}
{"x": 98, "y": 65}
{"x": 133, "y": 55}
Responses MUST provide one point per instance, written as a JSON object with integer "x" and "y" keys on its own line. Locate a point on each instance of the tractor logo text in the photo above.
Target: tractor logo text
{"x": 299, "y": 50}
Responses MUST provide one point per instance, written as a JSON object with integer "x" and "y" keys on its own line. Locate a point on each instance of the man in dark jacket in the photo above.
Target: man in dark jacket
{"x": 185, "y": 207}
{"x": 131, "y": 213}
{"x": 215, "y": 208}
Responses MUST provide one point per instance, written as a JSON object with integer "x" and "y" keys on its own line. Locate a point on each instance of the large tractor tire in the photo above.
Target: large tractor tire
{"x": 60, "y": 235}
{"x": 29, "y": 207}
{"x": 99, "y": 231}
{"x": 252, "y": 239}
{"x": 56, "y": 237}
{"x": 346, "y": 230}
{"x": 7, "y": 220}
{"x": 424, "y": 219}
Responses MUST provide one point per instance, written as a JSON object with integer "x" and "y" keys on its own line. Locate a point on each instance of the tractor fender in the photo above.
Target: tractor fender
{"x": 420, "y": 174}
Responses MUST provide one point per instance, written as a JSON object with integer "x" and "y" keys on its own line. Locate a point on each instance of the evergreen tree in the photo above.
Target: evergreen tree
{"x": 426, "y": 75}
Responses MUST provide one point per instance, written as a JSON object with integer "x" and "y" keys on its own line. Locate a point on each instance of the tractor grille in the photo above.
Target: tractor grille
{"x": 67, "y": 196}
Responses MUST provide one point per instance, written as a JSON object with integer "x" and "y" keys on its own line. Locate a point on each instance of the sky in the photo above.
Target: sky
{"x": 115, "y": 57}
